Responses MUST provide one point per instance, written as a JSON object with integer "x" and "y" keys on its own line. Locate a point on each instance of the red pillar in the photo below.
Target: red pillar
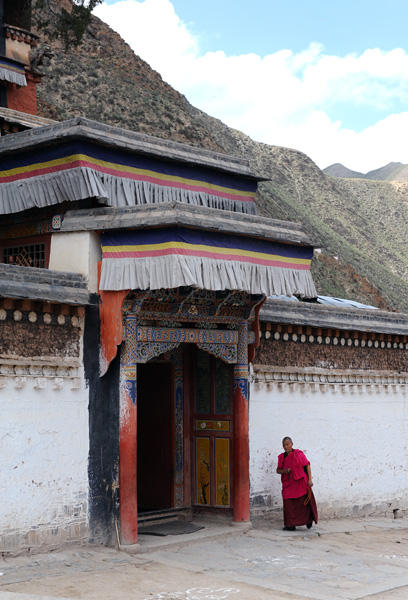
{"x": 241, "y": 430}
{"x": 128, "y": 441}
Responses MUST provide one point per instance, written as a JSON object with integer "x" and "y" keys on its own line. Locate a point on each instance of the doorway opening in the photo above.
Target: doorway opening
{"x": 154, "y": 436}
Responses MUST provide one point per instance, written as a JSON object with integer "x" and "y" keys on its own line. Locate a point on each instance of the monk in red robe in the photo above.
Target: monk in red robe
{"x": 299, "y": 505}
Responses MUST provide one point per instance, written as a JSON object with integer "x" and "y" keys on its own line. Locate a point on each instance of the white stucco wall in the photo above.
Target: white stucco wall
{"x": 352, "y": 429}
{"x": 77, "y": 252}
{"x": 44, "y": 458}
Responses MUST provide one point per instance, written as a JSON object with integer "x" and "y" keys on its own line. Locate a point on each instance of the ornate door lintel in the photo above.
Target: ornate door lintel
{"x": 150, "y": 342}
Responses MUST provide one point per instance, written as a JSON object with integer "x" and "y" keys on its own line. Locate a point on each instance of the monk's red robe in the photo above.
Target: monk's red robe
{"x": 294, "y": 485}
{"x": 295, "y": 490}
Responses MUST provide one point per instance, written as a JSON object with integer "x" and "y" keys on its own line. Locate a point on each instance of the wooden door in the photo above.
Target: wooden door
{"x": 212, "y": 431}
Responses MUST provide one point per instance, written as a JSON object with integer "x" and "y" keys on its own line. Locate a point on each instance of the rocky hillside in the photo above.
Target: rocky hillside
{"x": 361, "y": 225}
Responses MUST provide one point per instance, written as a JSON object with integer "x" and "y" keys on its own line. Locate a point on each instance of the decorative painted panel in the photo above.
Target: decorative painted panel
{"x": 203, "y": 485}
{"x": 128, "y": 372}
{"x": 241, "y": 368}
{"x": 222, "y": 471}
{"x": 127, "y": 356}
{"x": 211, "y": 425}
{"x": 227, "y": 353}
{"x": 171, "y": 335}
{"x": 203, "y": 308}
{"x": 153, "y": 341}
{"x": 146, "y": 351}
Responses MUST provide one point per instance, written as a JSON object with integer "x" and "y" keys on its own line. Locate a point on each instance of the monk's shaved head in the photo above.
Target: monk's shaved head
{"x": 287, "y": 444}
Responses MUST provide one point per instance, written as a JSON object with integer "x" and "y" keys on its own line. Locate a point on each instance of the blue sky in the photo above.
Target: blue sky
{"x": 268, "y": 25}
{"x": 265, "y": 26}
{"x": 328, "y": 78}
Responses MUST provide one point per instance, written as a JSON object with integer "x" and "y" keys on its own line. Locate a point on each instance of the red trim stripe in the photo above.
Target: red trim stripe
{"x": 204, "y": 254}
{"x": 125, "y": 175}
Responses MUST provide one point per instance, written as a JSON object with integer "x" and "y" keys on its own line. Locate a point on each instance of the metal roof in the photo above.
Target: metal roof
{"x": 343, "y": 302}
{"x": 331, "y": 301}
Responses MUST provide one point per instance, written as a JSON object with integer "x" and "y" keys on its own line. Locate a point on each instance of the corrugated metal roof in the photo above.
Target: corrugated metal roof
{"x": 343, "y": 302}
{"x": 331, "y": 301}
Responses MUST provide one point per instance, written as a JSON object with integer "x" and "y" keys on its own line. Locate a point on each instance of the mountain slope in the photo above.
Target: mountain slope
{"x": 394, "y": 171}
{"x": 104, "y": 80}
{"x": 338, "y": 170}
{"x": 361, "y": 222}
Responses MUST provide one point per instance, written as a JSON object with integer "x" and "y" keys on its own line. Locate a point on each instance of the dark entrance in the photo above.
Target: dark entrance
{"x": 154, "y": 436}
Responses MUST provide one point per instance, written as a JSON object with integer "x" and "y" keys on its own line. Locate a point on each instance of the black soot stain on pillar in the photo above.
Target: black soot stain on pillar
{"x": 103, "y": 464}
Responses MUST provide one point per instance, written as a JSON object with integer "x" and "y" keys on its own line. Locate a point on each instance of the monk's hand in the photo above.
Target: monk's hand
{"x": 310, "y": 483}
{"x": 288, "y": 471}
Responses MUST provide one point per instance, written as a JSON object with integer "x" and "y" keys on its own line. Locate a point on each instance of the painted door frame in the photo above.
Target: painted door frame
{"x": 140, "y": 344}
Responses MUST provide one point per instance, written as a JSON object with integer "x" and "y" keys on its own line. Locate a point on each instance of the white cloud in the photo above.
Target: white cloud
{"x": 152, "y": 29}
{"x": 283, "y": 98}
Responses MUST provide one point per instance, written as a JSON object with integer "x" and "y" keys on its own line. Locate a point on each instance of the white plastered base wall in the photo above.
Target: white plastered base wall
{"x": 44, "y": 457}
{"x": 353, "y": 428}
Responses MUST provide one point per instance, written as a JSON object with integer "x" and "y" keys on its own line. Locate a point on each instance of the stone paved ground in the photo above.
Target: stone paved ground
{"x": 344, "y": 560}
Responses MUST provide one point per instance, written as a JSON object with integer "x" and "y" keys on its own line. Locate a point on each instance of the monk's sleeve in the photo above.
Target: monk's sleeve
{"x": 300, "y": 462}
{"x": 301, "y": 459}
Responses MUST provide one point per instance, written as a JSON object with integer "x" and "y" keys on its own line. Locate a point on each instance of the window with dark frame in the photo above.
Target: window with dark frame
{"x": 28, "y": 252}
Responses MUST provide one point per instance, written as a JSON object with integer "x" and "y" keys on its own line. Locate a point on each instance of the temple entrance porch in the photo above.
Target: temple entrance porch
{"x": 184, "y": 404}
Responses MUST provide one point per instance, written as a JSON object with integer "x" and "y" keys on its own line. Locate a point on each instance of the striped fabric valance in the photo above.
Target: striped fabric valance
{"x": 78, "y": 170}
{"x": 173, "y": 257}
{"x": 12, "y": 71}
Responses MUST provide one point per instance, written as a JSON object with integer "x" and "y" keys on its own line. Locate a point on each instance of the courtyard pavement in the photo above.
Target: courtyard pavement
{"x": 338, "y": 559}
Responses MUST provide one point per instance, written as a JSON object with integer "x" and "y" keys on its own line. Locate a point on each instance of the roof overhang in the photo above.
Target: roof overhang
{"x": 179, "y": 214}
{"x": 23, "y": 119}
{"x": 173, "y": 245}
{"x": 333, "y": 317}
{"x": 80, "y": 159}
{"x": 123, "y": 139}
{"x": 43, "y": 285}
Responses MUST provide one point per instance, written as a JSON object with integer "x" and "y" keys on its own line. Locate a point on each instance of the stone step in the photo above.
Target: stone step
{"x": 164, "y": 516}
